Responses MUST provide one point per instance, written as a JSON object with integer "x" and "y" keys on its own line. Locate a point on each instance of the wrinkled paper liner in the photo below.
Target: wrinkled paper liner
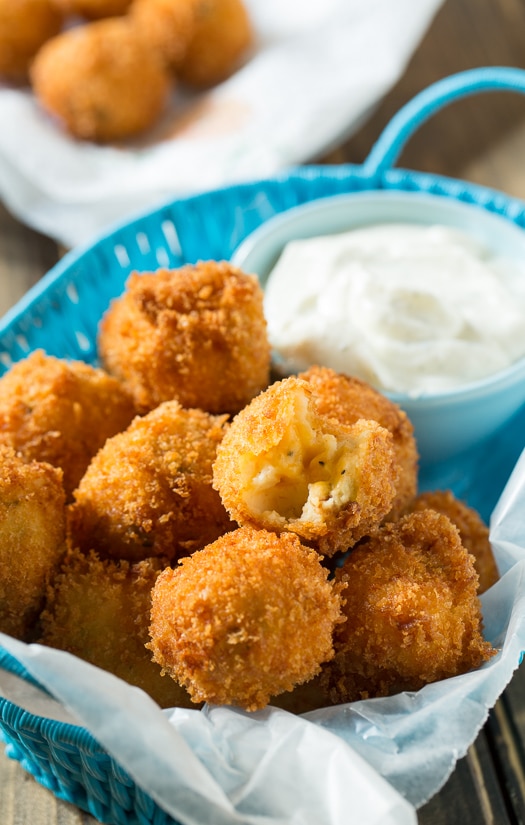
{"x": 373, "y": 761}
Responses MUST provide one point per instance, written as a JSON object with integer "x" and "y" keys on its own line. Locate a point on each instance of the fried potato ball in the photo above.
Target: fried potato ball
{"x": 100, "y": 611}
{"x": 148, "y": 491}
{"x": 195, "y": 334}
{"x": 25, "y": 25}
{"x": 222, "y": 37}
{"x": 61, "y": 412}
{"x": 101, "y": 81}
{"x": 168, "y": 26}
{"x": 32, "y": 539}
{"x": 283, "y": 466}
{"x": 93, "y": 9}
{"x": 412, "y": 611}
{"x": 348, "y": 399}
{"x": 472, "y": 530}
{"x": 246, "y": 618}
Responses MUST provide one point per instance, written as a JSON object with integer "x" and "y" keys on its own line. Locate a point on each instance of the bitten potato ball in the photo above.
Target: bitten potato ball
{"x": 412, "y": 611}
{"x": 167, "y": 25}
{"x": 473, "y": 532}
{"x": 348, "y": 399}
{"x": 94, "y": 9}
{"x": 222, "y": 36}
{"x": 32, "y": 539}
{"x": 61, "y": 412}
{"x": 148, "y": 491}
{"x": 246, "y": 618}
{"x": 25, "y": 25}
{"x": 100, "y": 611}
{"x": 283, "y": 466}
{"x": 101, "y": 81}
{"x": 195, "y": 334}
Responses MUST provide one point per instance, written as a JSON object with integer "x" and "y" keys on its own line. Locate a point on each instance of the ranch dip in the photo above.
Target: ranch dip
{"x": 408, "y": 308}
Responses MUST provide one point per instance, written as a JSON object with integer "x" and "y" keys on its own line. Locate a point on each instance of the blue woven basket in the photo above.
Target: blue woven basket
{"x": 61, "y": 315}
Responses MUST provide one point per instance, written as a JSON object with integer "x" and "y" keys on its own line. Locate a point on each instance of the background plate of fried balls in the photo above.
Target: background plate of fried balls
{"x": 180, "y": 518}
{"x": 105, "y": 69}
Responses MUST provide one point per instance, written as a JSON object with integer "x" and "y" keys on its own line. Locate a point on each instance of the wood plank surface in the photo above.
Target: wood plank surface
{"x": 472, "y": 795}
{"x": 481, "y": 139}
{"x": 25, "y": 256}
{"x": 506, "y": 734}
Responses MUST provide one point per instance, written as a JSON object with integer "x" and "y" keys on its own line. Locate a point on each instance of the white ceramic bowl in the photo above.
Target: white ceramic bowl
{"x": 446, "y": 423}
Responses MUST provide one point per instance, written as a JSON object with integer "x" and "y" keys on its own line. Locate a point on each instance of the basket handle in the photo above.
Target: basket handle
{"x": 391, "y": 141}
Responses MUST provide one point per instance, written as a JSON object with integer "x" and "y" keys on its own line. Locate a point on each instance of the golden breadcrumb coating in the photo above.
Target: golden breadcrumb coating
{"x": 348, "y": 399}
{"x": 196, "y": 334}
{"x": 148, "y": 491}
{"x": 101, "y": 80}
{"x": 248, "y": 617}
{"x": 100, "y": 611}
{"x": 223, "y": 34}
{"x": 474, "y": 533}
{"x": 25, "y": 25}
{"x": 283, "y": 466}
{"x": 93, "y": 9}
{"x": 412, "y": 611}
{"x": 32, "y": 539}
{"x": 168, "y": 26}
{"x": 61, "y": 412}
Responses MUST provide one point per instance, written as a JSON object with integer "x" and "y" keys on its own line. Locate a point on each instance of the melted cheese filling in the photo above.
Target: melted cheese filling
{"x": 307, "y": 474}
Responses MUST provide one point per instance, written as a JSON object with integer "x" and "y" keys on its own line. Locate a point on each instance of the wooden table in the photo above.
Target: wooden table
{"x": 481, "y": 139}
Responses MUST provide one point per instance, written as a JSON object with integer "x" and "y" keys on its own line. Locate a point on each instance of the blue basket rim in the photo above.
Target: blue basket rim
{"x": 72, "y": 734}
{"x": 396, "y": 178}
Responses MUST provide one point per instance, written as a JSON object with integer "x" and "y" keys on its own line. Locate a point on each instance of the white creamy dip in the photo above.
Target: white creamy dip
{"x": 407, "y": 308}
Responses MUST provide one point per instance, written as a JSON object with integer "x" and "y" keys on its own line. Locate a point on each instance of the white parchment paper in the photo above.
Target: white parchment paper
{"x": 367, "y": 762}
{"x": 317, "y": 69}
{"x": 218, "y": 766}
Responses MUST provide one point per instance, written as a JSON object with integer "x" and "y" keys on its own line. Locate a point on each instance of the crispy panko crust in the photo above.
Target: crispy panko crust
{"x": 100, "y": 611}
{"x": 148, "y": 491}
{"x": 32, "y": 539}
{"x": 93, "y": 9}
{"x": 101, "y": 80}
{"x": 61, "y": 412}
{"x": 196, "y": 334}
{"x": 168, "y": 26}
{"x": 348, "y": 399}
{"x": 25, "y": 25}
{"x": 283, "y": 466}
{"x": 472, "y": 530}
{"x": 222, "y": 36}
{"x": 248, "y": 617}
{"x": 412, "y": 611}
